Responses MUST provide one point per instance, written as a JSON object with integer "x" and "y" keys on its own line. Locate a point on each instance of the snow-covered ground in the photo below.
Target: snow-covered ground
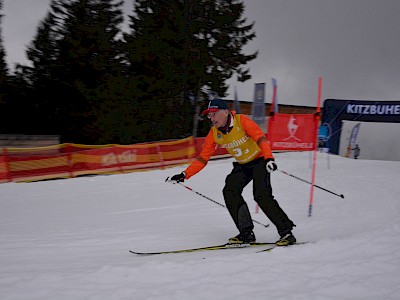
{"x": 69, "y": 239}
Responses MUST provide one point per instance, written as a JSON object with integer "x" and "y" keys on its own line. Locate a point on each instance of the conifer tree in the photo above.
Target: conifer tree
{"x": 75, "y": 57}
{"x": 3, "y": 64}
{"x": 154, "y": 53}
{"x": 6, "y": 106}
{"x": 178, "y": 48}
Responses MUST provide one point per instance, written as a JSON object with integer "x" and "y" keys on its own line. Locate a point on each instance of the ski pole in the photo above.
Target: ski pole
{"x": 216, "y": 202}
{"x": 301, "y": 179}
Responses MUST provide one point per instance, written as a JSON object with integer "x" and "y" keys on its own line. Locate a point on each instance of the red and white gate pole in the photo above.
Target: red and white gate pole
{"x": 316, "y": 124}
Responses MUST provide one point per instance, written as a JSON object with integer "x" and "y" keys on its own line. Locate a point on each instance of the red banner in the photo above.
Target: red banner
{"x": 292, "y": 132}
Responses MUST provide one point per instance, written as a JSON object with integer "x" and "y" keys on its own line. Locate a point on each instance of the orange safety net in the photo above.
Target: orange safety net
{"x": 70, "y": 160}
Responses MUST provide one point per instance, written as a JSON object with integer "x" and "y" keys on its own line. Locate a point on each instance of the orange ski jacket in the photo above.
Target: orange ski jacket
{"x": 245, "y": 142}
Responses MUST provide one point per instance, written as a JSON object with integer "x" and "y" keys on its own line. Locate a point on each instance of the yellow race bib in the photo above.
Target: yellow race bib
{"x": 242, "y": 147}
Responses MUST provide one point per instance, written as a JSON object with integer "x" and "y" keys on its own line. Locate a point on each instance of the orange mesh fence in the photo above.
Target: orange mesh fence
{"x": 70, "y": 160}
{"x": 4, "y": 167}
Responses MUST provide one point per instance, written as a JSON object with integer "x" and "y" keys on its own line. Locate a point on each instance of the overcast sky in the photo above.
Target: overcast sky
{"x": 353, "y": 44}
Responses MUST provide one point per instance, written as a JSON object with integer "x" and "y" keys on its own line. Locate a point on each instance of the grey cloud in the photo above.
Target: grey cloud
{"x": 352, "y": 44}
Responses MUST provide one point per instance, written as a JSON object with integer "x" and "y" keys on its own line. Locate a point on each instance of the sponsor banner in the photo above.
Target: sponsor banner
{"x": 274, "y": 106}
{"x": 373, "y": 109}
{"x": 292, "y": 132}
{"x": 354, "y": 133}
{"x": 336, "y": 111}
{"x": 353, "y": 138}
{"x": 258, "y": 107}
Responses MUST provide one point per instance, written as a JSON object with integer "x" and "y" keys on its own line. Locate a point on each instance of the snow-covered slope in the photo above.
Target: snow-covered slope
{"x": 69, "y": 239}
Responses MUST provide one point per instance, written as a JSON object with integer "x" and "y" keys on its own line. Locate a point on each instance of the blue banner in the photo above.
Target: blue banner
{"x": 335, "y": 111}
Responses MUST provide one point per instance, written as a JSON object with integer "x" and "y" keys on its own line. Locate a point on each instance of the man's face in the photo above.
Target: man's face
{"x": 219, "y": 118}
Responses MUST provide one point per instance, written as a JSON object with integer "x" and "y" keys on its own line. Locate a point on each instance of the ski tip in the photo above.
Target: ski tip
{"x": 143, "y": 253}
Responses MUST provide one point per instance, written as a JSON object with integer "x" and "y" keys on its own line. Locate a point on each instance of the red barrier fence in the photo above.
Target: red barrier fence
{"x": 70, "y": 160}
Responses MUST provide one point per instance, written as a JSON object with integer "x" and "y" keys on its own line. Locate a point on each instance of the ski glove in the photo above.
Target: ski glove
{"x": 179, "y": 177}
{"x": 271, "y": 165}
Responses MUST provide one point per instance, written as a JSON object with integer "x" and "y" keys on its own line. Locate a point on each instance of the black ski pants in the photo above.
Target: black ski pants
{"x": 237, "y": 180}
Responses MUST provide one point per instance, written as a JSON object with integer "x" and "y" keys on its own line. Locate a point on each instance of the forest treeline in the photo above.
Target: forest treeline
{"x": 92, "y": 82}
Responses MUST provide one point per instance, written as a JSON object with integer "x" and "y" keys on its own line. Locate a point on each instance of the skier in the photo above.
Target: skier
{"x": 246, "y": 142}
